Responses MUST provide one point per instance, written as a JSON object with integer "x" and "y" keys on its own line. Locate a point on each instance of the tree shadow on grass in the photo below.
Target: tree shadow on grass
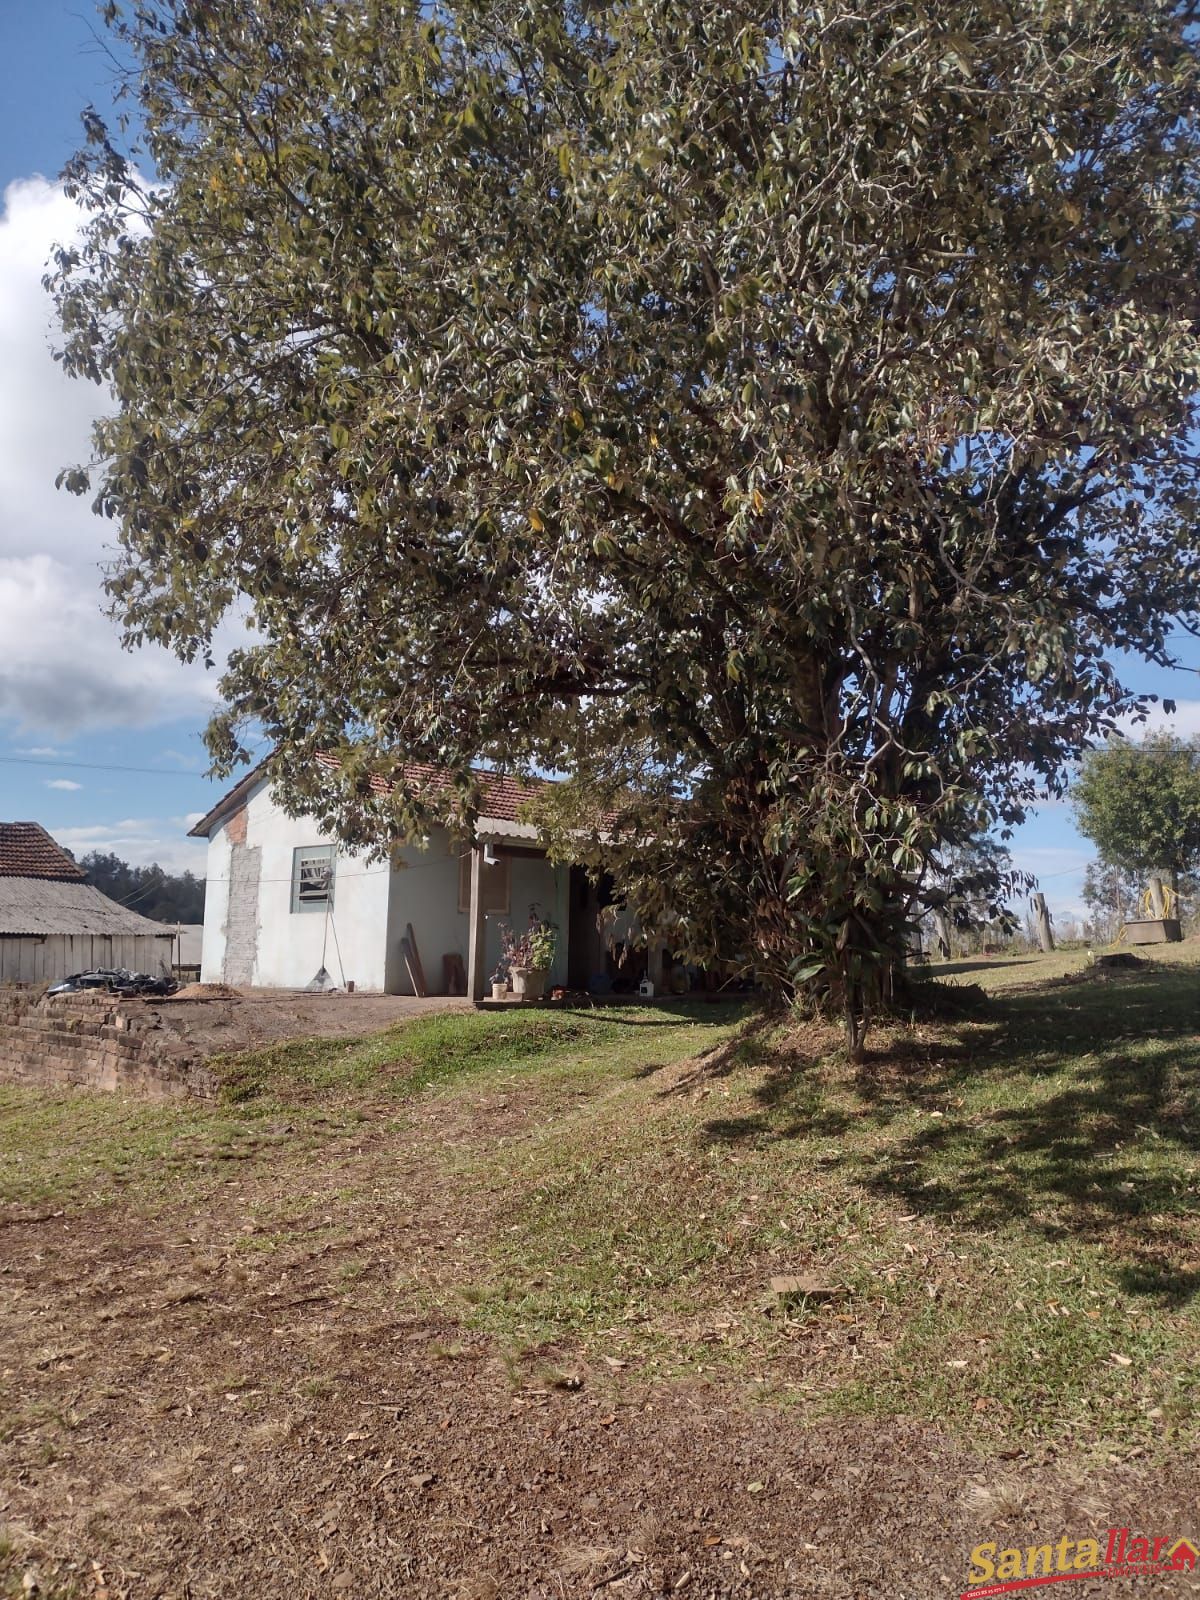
{"x": 1052, "y": 1115}
{"x": 948, "y": 969}
{"x": 749, "y": 1047}
{"x": 681, "y": 1013}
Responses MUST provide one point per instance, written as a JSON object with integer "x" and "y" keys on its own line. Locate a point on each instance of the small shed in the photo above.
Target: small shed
{"x": 53, "y": 922}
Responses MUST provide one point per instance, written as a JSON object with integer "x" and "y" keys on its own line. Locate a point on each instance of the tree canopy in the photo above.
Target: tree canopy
{"x": 773, "y": 417}
{"x": 1140, "y": 805}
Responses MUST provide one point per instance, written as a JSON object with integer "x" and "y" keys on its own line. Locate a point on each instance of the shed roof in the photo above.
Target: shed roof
{"x": 28, "y": 851}
{"x": 37, "y": 907}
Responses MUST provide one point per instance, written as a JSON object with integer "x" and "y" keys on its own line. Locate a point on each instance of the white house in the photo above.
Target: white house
{"x": 282, "y": 900}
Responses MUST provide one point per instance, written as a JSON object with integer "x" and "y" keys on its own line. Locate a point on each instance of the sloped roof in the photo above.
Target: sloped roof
{"x": 230, "y": 801}
{"x": 42, "y": 906}
{"x": 28, "y": 851}
{"x": 500, "y": 800}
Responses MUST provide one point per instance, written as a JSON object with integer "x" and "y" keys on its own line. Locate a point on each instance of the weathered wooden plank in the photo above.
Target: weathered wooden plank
{"x": 419, "y": 984}
{"x": 414, "y": 977}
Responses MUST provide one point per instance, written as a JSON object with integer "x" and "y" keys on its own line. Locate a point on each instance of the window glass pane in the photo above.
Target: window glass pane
{"x": 312, "y": 877}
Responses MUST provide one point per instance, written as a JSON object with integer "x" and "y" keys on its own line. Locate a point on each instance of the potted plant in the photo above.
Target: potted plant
{"x": 531, "y": 955}
{"x": 512, "y": 954}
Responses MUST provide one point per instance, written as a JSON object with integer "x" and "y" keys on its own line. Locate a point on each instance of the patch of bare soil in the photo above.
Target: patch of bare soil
{"x": 252, "y": 1395}
{"x": 216, "y": 1019}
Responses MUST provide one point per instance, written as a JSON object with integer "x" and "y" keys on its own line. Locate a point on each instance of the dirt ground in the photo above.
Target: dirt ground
{"x": 230, "y": 1398}
{"x": 220, "y": 1020}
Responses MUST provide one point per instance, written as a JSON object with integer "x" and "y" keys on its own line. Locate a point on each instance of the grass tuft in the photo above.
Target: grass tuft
{"x": 425, "y": 1053}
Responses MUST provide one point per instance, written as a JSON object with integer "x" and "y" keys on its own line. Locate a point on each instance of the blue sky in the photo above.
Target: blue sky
{"x": 101, "y": 746}
{"x": 73, "y": 706}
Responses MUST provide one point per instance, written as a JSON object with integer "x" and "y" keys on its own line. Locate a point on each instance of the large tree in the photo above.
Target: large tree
{"x": 1140, "y": 805}
{"x": 772, "y": 415}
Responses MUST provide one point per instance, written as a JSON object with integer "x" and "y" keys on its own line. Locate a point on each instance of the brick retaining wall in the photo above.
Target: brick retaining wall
{"x": 95, "y": 1041}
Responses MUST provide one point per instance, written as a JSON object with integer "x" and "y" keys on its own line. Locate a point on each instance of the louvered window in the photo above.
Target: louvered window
{"x": 312, "y": 877}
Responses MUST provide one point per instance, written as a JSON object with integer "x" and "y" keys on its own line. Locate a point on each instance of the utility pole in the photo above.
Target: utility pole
{"x": 1042, "y": 915}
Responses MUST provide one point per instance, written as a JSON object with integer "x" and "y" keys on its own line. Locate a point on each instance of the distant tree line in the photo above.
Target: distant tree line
{"x": 1139, "y": 803}
{"x": 153, "y": 891}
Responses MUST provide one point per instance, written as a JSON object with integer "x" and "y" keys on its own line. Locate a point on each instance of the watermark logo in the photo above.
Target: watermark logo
{"x": 1002, "y": 1570}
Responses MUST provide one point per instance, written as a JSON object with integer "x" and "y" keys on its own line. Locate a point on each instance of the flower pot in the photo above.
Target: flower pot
{"x": 529, "y": 983}
{"x": 500, "y": 991}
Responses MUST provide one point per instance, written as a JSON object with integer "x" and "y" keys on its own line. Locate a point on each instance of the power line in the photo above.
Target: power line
{"x": 103, "y": 766}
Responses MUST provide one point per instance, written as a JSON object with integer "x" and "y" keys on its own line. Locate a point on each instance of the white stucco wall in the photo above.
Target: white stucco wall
{"x": 290, "y": 946}
{"x": 372, "y": 907}
{"x": 216, "y": 901}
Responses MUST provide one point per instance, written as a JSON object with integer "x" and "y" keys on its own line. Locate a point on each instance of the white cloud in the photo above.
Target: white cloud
{"x": 41, "y": 750}
{"x": 61, "y": 667}
{"x": 1184, "y": 721}
{"x": 62, "y": 783}
{"x": 140, "y": 841}
{"x": 1073, "y": 910}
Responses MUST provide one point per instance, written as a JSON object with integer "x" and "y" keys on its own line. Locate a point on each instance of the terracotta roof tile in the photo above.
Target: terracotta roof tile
{"x": 28, "y": 851}
{"x": 501, "y": 798}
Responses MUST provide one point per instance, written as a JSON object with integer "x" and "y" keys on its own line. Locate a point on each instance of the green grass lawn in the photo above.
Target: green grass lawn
{"x": 1001, "y": 1213}
{"x": 1005, "y": 1214}
{"x": 79, "y": 1148}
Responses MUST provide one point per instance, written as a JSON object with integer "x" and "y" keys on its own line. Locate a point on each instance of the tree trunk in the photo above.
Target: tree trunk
{"x": 857, "y": 1019}
{"x": 1158, "y": 900}
{"x": 1044, "y": 931}
{"x": 942, "y": 924}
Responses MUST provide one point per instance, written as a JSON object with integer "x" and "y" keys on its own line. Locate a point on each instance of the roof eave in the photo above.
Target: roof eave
{"x": 228, "y": 803}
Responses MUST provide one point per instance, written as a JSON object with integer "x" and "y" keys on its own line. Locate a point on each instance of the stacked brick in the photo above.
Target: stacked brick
{"x": 95, "y": 1041}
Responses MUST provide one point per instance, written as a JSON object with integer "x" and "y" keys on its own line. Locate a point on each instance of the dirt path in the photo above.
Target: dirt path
{"x": 220, "y": 1020}
{"x": 250, "y": 1393}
